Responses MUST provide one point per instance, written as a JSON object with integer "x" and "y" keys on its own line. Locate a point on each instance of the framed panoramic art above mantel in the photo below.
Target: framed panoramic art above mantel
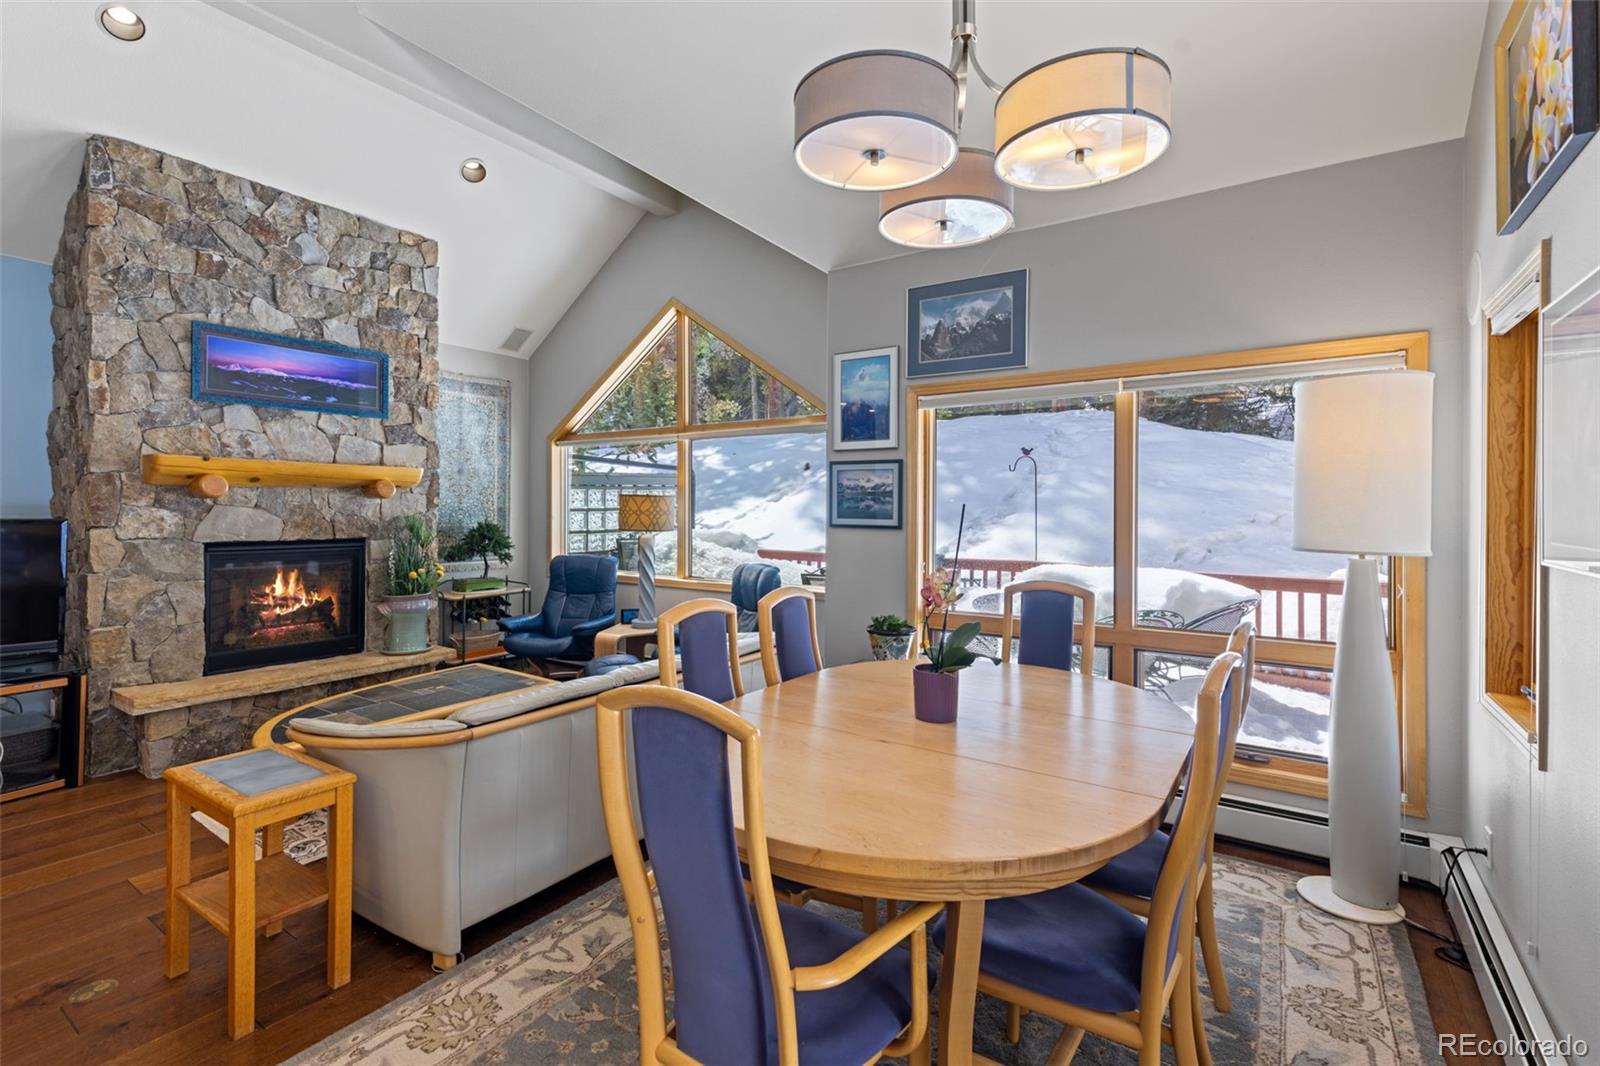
{"x": 232, "y": 365}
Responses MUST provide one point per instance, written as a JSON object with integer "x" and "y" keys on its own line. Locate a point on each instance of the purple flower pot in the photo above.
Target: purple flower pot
{"x": 934, "y": 694}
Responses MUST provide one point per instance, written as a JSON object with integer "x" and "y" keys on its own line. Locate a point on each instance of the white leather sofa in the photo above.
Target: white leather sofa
{"x": 458, "y": 818}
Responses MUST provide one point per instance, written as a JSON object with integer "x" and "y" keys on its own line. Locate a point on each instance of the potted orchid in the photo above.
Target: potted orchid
{"x": 936, "y": 683}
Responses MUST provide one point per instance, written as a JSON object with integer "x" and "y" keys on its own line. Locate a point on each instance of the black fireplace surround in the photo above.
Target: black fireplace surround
{"x": 284, "y": 602}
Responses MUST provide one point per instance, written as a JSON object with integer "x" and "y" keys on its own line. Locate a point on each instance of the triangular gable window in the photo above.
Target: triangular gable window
{"x": 651, "y": 388}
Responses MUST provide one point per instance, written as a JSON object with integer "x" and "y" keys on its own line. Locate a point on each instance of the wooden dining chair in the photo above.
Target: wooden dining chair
{"x": 786, "y": 618}
{"x": 754, "y": 980}
{"x": 1130, "y": 878}
{"x": 1075, "y": 956}
{"x": 1046, "y": 621}
{"x": 705, "y": 632}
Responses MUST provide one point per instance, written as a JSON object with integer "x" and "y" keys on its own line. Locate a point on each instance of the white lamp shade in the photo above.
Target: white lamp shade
{"x": 1083, "y": 119}
{"x": 1363, "y": 463}
{"x": 964, "y": 205}
{"x": 875, "y": 120}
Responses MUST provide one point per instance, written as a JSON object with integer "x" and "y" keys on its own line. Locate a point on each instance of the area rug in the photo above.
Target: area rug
{"x": 305, "y": 840}
{"x": 1308, "y": 990}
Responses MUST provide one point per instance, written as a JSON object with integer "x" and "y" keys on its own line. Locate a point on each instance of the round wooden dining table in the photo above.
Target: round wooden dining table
{"x": 1043, "y": 777}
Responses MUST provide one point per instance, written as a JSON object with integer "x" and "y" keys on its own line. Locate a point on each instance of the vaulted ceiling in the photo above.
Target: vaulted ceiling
{"x": 590, "y": 114}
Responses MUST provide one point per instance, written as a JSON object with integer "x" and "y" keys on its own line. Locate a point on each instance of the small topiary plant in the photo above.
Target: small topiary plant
{"x": 482, "y": 541}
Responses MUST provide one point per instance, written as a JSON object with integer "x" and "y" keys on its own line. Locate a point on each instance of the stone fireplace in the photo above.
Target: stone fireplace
{"x": 151, "y": 244}
{"x": 284, "y": 602}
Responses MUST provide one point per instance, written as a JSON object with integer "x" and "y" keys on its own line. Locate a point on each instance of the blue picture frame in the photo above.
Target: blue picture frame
{"x": 958, "y": 327}
{"x": 855, "y": 502}
{"x": 232, "y": 365}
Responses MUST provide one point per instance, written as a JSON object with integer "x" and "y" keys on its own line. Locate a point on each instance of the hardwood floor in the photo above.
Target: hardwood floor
{"x": 81, "y": 880}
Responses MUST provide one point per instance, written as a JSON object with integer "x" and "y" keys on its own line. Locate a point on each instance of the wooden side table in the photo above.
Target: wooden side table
{"x": 259, "y": 789}
{"x": 623, "y": 637}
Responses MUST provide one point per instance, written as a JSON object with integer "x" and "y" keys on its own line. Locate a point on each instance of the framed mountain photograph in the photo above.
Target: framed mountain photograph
{"x": 957, "y": 327}
{"x": 866, "y": 391}
{"x": 243, "y": 366}
{"x": 865, "y": 492}
{"x": 1546, "y": 100}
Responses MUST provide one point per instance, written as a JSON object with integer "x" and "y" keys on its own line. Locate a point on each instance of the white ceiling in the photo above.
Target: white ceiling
{"x": 515, "y": 250}
{"x": 699, "y": 94}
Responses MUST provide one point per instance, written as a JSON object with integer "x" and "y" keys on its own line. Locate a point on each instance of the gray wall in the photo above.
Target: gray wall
{"x": 525, "y": 451}
{"x": 1546, "y": 824}
{"x": 1363, "y": 248}
{"x": 25, "y": 397}
{"x": 759, "y": 295}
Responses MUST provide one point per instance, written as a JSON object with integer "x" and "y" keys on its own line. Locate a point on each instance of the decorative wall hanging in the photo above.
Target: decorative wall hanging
{"x": 865, "y": 492}
{"x": 243, "y": 366}
{"x": 975, "y": 324}
{"x": 866, "y": 399}
{"x": 1546, "y": 100}
{"x": 473, "y": 424}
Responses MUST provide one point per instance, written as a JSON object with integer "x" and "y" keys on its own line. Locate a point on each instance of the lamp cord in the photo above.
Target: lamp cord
{"x": 1452, "y": 950}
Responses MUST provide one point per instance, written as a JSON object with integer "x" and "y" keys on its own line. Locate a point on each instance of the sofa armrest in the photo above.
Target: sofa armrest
{"x": 527, "y": 623}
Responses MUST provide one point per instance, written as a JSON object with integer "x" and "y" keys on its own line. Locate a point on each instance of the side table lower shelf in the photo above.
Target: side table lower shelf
{"x": 283, "y": 887}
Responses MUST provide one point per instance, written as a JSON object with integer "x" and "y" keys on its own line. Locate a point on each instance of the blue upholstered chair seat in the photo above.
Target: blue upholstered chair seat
{"x": 1069, "y": 943}
{"x": 536, "y": 646}
{"x": 1134, "y": 872}
{"x": 853, "y": 1022}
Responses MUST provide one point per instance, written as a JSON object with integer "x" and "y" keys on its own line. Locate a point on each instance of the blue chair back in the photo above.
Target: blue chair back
{"x": 582, "y": 589}
{"x": 750, "y": 582}
{"x": 701, "y": 633}
{"x": 1048, "y": 612}
{"x": 721, "y": 986}
{"x": 788, "y": 625}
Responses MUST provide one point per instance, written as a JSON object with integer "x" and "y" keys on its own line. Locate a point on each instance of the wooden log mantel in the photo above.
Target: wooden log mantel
{"x": 212, "y": 477}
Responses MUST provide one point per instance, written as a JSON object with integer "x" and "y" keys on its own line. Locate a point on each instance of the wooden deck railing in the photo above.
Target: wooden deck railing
{"x": 1286, "y": 608}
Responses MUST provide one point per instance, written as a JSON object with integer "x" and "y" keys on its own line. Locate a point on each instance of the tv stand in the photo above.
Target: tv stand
{"x": 43, "y": 732}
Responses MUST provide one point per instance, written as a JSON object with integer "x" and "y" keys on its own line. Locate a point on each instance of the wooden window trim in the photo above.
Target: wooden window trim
{"x": 1408, "y": 576}
{"x": 675, "y": 315}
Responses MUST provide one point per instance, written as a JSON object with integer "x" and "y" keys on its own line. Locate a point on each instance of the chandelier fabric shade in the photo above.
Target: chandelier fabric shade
{"x": 876, "y": 120}
{"x": 966, "y": 204}
{"x": 1083, "y": 119}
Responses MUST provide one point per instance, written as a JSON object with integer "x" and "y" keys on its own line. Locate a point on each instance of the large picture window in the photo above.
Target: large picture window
{"x": 687, "y": 412}
{"x": 1166, "y": 488}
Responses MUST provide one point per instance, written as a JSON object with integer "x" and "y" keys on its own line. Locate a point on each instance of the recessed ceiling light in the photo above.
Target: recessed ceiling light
{"x": 121, "y": 22}
{"x": 473, "y": 170}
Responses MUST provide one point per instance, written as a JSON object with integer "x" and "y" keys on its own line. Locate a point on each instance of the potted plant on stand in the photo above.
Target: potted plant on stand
{"x": 936, "y": 683}
{"x": 413, "y": 576}
{"x": 890, "y": 637}
{"x": 482, "y": 541}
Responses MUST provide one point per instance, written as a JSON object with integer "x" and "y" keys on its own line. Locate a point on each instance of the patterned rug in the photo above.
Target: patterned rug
{"x": 1308, "y": 990}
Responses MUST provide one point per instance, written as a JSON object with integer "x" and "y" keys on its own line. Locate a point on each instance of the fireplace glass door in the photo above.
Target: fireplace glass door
{"x": 284, "y": 602}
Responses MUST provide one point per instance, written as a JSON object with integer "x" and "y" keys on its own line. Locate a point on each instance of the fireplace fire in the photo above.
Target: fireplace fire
{"x": 283, "y": 602}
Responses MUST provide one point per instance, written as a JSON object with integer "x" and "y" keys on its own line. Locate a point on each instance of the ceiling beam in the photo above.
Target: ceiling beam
{"x": 348, "y": 35}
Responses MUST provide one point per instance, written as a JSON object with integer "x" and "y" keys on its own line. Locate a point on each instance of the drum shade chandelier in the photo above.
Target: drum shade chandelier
{"x": 890, "y": 122}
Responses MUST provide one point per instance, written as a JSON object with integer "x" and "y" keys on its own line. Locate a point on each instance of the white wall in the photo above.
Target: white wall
{"x": 525, "y": 558}
{"x": 762, "y": 297}
{"x": 1367, "y": 247}
{"x": 1546, "y": 825}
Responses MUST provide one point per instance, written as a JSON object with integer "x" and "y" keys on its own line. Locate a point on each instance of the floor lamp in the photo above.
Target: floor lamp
{"x": 646, "y": 515}
{"x": 1363, "y": 462}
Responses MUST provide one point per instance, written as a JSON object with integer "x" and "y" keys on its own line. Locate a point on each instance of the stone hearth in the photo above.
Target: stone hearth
{"x": 152, "y": 243}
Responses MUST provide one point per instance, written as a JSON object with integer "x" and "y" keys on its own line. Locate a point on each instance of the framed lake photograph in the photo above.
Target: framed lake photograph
{"x": 865, "y": 492}
{"x": 957, "y": 327}
{"x": 1546, "y": 100}
{"x": 242, "y": 366}
{"x": 866, "y": 391}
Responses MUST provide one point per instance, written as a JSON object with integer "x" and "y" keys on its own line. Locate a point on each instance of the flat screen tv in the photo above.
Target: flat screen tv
{"x": 33, "y": 586}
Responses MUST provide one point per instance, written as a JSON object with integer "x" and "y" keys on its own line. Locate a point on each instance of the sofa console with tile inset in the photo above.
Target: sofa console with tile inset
{"x": 466, "y": 809}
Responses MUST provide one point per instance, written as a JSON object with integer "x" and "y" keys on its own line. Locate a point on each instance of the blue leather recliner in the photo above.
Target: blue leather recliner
{"x": 750, "y": 582}
{"x": 580, "y": 602}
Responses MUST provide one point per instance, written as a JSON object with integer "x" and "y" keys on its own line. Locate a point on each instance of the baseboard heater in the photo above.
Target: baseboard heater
{"x": 1522, "y": 1031}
